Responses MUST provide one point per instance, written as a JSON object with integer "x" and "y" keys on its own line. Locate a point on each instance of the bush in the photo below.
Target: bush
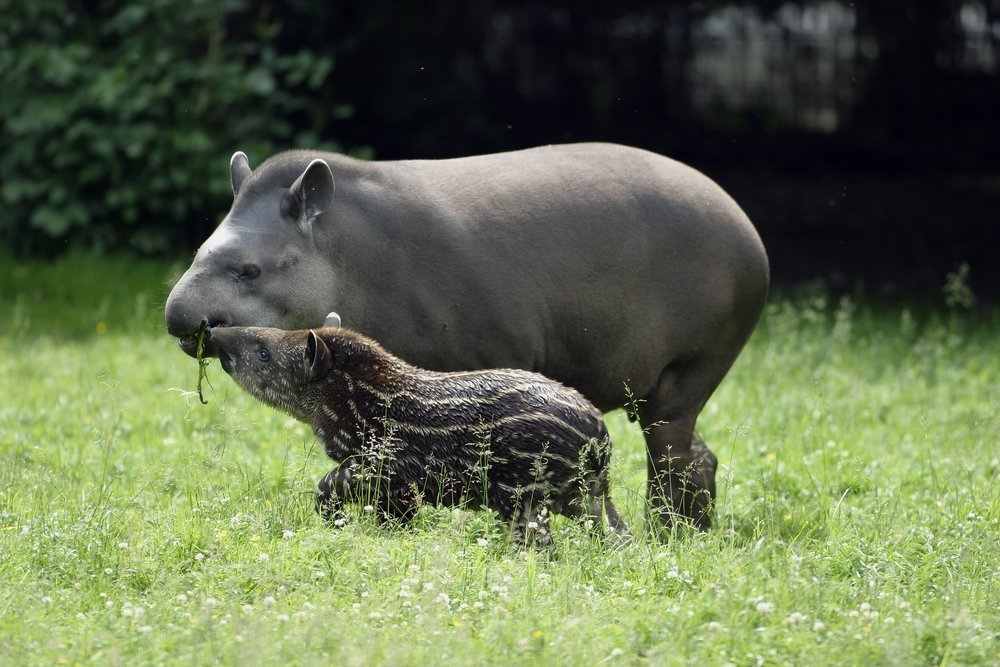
{"x": 117, "y": 121}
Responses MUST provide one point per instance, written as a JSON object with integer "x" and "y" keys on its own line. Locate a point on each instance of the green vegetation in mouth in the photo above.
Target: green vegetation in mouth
{"x": 202, "y": 361}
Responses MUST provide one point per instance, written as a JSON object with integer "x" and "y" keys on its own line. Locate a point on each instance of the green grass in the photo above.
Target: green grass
{"x": 858, "y": 520}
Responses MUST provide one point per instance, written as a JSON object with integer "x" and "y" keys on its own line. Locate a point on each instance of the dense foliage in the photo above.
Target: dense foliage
{"x": 117, "y": 120}
{"x": 862, "y": 128}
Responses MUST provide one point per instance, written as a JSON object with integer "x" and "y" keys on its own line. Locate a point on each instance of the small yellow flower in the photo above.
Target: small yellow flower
{"x": 771, "y": 456}
{"x": 102, "y": 328}
{"x": 537, "y": 634}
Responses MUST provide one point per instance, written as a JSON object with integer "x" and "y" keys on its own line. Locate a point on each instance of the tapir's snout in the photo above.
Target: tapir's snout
{"x": 185, "y": 318}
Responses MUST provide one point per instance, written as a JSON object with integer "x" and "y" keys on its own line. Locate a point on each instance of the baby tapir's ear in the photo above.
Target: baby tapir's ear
{"x": 318, "y": 360}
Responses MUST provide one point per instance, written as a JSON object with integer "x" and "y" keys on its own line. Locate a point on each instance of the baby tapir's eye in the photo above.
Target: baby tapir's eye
{"x": 264, "y": 355}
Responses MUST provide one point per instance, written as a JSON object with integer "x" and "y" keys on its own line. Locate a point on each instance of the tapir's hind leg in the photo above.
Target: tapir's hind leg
{"x": 680, "y": 466}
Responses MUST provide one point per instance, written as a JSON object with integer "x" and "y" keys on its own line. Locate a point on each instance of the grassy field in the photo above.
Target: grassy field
{"x": 858, "y": 521}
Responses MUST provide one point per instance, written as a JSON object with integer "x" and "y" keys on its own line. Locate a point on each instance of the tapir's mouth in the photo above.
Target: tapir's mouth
{"x": 189, "y": 343}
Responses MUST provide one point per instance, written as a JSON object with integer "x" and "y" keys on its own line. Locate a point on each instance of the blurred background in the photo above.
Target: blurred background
{"x": 863, "y": 139}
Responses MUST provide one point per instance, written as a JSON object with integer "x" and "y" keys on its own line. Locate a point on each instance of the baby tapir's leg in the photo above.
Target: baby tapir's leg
{"x": 334, "y": 489}
{"x": 531, "y": 526}
{"x": 347, "y": 483}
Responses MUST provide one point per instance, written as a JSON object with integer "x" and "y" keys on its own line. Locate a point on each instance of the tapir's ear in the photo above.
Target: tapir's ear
{"x": 310, "y": 195}
{"x": 239, "y": 169}
{"x": 318, "y": 360}
{"x": 332, "y": 320}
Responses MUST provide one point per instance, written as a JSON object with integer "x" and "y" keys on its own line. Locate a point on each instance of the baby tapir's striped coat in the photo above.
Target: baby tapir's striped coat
{"x": 511, "y": 440}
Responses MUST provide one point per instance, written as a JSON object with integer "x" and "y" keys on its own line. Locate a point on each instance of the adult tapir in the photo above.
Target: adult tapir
{"x": 599, "y": 265}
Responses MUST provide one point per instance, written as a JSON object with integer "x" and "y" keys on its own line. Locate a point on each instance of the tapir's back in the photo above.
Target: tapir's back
{"x": 545, "y": 258}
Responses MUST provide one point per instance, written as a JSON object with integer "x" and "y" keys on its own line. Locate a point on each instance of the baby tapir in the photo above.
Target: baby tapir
{"x": 517, "y": 442}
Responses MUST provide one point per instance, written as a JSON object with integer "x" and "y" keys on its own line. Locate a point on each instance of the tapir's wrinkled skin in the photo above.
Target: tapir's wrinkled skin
{"x": 598, "y": 265}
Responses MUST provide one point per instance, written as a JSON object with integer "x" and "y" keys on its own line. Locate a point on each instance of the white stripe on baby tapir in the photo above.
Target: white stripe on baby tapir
{"x": 329, "y": 412}
{"x": 533, "y": 417}
{"x": 544, "y": 454}
{"x": 524, "y": 387}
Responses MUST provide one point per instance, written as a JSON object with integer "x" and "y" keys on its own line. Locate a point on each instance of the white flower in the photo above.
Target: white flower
{"x": 483, "y": 542}
{"x": 263, "y": 557}
{"x": 818, "y": 625}
{"x": 46, "y": 599}
{"x": 532, "y": 525}
{"x": 369, "y": 508}
{"x": 182, "y": 598}
{"x": 714, "y": 626}
{"x": 287, "y": 534}
{"x": 796, "y": 617}
{"x": 199, "y": 556}
{"x": 764, "y": 607}
{"x": 123, "y": 545}
{"x": 248, "y": 609}
{"x": 672, "y": 574}
{"x": 269, "y": 601}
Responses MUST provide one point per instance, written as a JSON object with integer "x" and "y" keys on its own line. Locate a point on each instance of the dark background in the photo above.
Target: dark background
{"x": 863, "y": 139}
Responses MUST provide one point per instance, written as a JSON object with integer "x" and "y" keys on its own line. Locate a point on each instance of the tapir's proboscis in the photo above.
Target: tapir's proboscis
{"x": 613, "y": 270}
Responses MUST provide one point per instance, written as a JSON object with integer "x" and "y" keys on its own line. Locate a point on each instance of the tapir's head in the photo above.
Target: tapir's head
{"x": 285, "y": 369}
{"x": 261, "y": 266}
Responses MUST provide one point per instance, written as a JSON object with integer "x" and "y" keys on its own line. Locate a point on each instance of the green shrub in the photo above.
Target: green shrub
{"x": 117, "y": 121}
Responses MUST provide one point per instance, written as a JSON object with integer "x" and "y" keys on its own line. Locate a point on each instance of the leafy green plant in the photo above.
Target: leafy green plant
{"x": 118, "y": 120}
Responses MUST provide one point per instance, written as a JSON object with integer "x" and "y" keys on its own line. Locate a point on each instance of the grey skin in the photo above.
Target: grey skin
{"x": 601, "y": 266}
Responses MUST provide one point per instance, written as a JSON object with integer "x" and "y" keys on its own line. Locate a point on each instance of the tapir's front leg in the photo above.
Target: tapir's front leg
{"x": 334, "y": 489}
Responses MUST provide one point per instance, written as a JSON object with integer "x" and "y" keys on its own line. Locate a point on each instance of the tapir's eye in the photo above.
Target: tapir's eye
{"x": 264, "y": 355}
{"x": 245, "y": 272}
